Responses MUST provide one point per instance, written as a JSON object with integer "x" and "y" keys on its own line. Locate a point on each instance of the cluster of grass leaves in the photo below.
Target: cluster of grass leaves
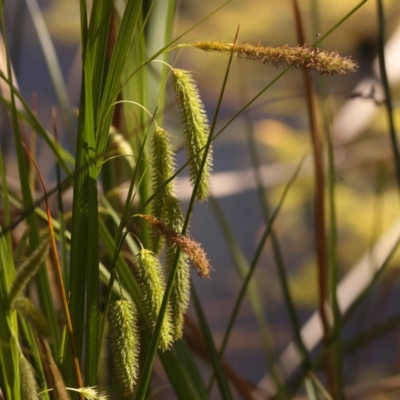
{"x": 122, "y": 94}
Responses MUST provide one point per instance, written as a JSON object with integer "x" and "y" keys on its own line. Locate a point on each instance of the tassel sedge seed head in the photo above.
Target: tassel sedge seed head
{"x": 29, "y": 385}
{"x": 165, "y": 205}
{"x": 151, "y": 280}
{"x": 180, "y": 293}
{"x": 125, "y": 343}
{"x": 196, "y": 130}
{"x": 300, "y": 57}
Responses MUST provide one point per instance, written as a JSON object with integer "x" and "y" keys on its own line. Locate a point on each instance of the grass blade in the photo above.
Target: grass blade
{"x": 385, "y": 82}
{"x": 255, "y": 261}
{"x": 218, "y": 371}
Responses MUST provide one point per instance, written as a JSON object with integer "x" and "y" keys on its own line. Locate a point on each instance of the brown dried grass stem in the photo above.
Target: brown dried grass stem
{"x": 319, "y": 215}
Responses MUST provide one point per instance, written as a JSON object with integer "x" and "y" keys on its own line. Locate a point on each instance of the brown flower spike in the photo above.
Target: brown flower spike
{"x": 184, "y": 242}
{"x": 300, "y": 57}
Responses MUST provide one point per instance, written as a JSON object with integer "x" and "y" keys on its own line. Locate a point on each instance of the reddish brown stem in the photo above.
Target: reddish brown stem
{"x": 319, "y": 215}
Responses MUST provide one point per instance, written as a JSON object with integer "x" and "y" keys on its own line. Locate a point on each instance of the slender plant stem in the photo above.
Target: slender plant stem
{"x": 319, "y": 214}
{"x": 254, "y": 262}
{"x": 385, "y": 82}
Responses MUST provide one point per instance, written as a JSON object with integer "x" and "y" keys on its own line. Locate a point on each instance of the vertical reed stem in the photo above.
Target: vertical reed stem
{"x": 319, "y": 215}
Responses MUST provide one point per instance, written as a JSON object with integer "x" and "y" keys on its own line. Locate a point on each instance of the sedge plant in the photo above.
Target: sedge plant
{"x": 143, "y": 239}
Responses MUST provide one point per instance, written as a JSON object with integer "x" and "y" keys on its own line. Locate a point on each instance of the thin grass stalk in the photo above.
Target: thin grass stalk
{"x": 166, "y": 48}
{"x": 128, "y": 203}
{"x": 180, "y": 378}
{"x": 152, "y": 197}
{"x": 132, "y": 15}
{"x": 158, "y": 34}
{"x": 332, "y": 238}
{"x": 17, "y": 33}
{"x": 33, "y": 145}
{"x": 253, "y": 291}
{"x": 371, "y": 334}
{"x": 44, "y": 292}
{"x": 146, "y": 372}
{"x": 6, "y": 206}
{"x": 294, "y": 320}
{"x": 320, "y": 386}
{"x": 212, "y": 351}
{"x": 107, "y": 305}
{"x": 346, "y": 317}
{"x": 30, "y": 118}
{"x": 197, "y": 344}
{"x": 124, "y": 271}
{"x": 61, "y": 219}
{"x": 344, "y": 19}
{"x": 281, "y": 269}
{"x": 184, "y": 356}
{"x": 254, "y": 263}
{"x": 138, "y": 90}
{"x": 337, "y": 352}
{"x": 386, "y": 88}
{"x": 319, "y": 204}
